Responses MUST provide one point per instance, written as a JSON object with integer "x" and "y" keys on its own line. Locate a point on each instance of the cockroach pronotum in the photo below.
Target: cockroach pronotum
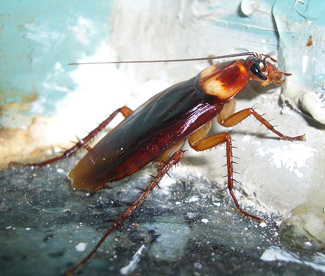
{"x": 157, "y": 130}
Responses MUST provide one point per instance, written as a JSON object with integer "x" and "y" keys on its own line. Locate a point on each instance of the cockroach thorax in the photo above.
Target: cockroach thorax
{"x": 224, "y": 80}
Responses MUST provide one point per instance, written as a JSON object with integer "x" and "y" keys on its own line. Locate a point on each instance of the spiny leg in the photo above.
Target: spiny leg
{"x": 212, "y": 141}
{"x": 81, "y": 142}
{"x": 234, "y": 119}
{"x": 228, "y": 118}
{"x": 85, "y": 145}
{"x": 177, "y": 157}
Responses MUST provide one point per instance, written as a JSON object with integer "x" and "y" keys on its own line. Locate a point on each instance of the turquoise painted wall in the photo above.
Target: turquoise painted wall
{"x": 37, "y": 41}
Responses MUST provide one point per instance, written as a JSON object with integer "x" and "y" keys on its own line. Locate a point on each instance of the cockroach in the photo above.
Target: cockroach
{"x": 157, "y": 130}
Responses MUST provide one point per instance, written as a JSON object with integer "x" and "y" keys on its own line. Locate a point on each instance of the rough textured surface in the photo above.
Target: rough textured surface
{"x": 188, "y": 227}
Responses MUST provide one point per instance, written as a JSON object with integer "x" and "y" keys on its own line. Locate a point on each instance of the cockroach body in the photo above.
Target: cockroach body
{"x": 157, "y": 130}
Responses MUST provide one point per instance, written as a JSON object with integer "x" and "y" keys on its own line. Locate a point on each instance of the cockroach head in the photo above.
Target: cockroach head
{"x": 264, "y": 71}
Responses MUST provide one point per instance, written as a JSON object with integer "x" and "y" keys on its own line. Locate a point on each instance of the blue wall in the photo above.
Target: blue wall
{"x": 39, "y": 38}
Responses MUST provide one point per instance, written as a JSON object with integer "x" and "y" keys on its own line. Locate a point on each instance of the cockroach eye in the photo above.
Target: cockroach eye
{"x": 255, "y": 69}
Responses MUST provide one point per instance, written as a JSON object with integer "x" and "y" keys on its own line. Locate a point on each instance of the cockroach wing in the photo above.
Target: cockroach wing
{"x": 158, "y": 124}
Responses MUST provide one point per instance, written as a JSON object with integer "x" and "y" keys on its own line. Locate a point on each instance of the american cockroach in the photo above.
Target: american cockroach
{"x": 157, "y": 130}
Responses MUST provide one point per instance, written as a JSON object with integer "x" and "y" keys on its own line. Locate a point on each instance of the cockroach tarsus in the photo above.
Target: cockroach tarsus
{"x": 157, "y": 130}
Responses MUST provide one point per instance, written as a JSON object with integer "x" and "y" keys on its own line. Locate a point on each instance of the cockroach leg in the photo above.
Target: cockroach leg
{"x": 227, "y": 118}
{"x": 164, "y": 157}
{"x": 212, "y": 141}
{"x": 200, "y": 134}
{"x": 177, "y": 157}
{"x": 230, "y": 169}
{"x": 81, "y": 142}
{"x": 239, "y": 116}
{"x": 86, "y": 146}
{"x": 125, "y": 111}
